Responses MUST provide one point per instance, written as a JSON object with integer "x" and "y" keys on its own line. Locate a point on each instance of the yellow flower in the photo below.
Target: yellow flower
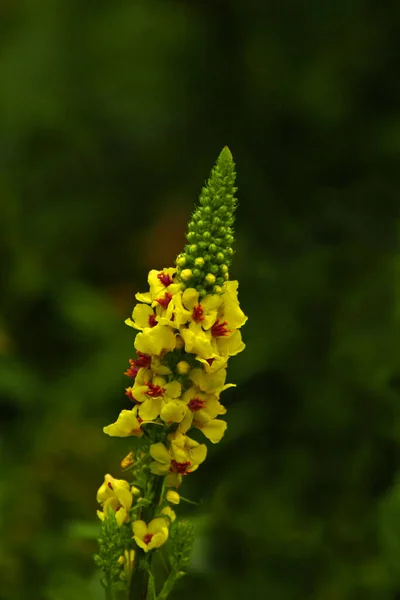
{"x": 163, "y": 281}
{"x": 213, "y": 364}
{"x": 116, "y": 495}
{"x": 143, "y": 316}
{"x": 230, "y": 310}
{"x": 202, "y": 312}
{"x": 155, "y": 340}
{"x": 201, "y": 412}
{"x": 212, "y": 383}
{"x": 153, "y": 395}
{"x": 127, "y": 424}
{"x": 150, "y": 536}
{"x": 219, "y": 340}
{"x": 173, "y": 497}
{"x": 183, "y": 457}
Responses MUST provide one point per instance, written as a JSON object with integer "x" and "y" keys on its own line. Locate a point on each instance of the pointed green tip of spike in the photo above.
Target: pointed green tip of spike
{"x": 225, "y": 154}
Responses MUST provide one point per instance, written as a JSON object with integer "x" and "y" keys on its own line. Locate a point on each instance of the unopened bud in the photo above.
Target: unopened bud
{"x": 210, "y": 278}
{"x": 186, "y": 274}
{"x": 127, "y": 461}
{"x": 173, "y": 497}
{"x": 183, "y": 367}
{"x": 181, "y": 260}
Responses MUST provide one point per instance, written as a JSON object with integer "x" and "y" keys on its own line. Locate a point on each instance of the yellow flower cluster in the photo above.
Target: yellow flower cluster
{"x": 183, "y": 344}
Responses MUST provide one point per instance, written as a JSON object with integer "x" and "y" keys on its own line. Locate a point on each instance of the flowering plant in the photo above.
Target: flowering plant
{"x": 188, "y": 325}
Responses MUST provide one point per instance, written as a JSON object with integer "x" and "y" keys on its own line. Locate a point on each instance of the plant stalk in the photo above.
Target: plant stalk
{"x": 140, "y": 578}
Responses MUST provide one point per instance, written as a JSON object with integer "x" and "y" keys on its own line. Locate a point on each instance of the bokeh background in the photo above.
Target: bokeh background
{"x": 112, "y": 115}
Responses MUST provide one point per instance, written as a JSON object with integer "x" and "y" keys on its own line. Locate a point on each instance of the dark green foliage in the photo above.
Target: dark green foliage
{"x": 113, "y": 541}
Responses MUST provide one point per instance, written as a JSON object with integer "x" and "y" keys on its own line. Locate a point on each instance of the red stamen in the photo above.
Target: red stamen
{"x": 148, "y": 537}
{"x": 220, "y": 329}
{"x": 198, "y": 313}
{"x": 164, "y": 278}
{"x": 165, "y": 300}
{"x": 132, "y": 371}
{"x": 139, "y": 420}
{"x": 196, "y": 404}
{"x": 181, "y": 468}
{"x": 143, "y": 360}
{"x": 155, "y": 391}
{"x": 152, "y": 320}
{"x": 210, "y": 361}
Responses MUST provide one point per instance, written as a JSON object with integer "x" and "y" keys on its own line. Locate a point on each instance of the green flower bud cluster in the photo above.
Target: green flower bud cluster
{"x": 113, "y": 541}
{"x": 204, "y": 263}
{"x": 181, "y": 544}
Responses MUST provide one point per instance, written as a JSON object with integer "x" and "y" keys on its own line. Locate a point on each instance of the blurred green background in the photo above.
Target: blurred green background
{"x": 112, "y": 115}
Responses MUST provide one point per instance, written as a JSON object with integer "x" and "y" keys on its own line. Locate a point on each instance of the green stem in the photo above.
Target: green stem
{"x": 138, "y": 589}
{"x": 169, "y": 584}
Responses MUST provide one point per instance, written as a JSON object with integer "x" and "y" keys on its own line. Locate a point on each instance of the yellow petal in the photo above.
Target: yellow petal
{"x": 159, "y": 469}
{"x": 141, "y": 314}
{"x": 173, "y": 389}
{"x": 146, "y": 297}
{"x": 230, "y": 345}
{"x": 214, "y": 430}
{"x": 126, "y": 425}
{"x": 150, "y": 409}
{"x": 158, "y": 539}
{"x": 172, "y": 412}
{"x": 155, "y": 340}
{"x": 190, "y": 298}
{"x": 169, "y": 513}
{"x": 160, "y": 453}
{"x": 173, "y": 480}
{"x": 157, "y": 525}
{"x": 231, "y": 310}
{"x": 141, "y": 543}
{"x": 198, "y": 455}
{"x": 139, "y": 528}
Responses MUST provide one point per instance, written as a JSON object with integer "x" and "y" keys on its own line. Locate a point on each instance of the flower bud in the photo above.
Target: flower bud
{"x": 186, "y": 274}
{"x": 127, "y": 461}
{"x": 199, "y": 262}
{"x": 210, "y": 278}
{"x": 181, "y": 260}
{"x": 183, "y": 367}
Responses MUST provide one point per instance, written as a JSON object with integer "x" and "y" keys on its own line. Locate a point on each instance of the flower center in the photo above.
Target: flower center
{"x": 196, "y": 404}
{"x": 210, "y": 361}
{"x": 164, "y": 278}
{"x": 152, "y": 320}
{"x": 110, "y": 486}
{"x": 198, "y": 313}
{"x": 148, "y": 537}
{"x": 165, "y": 300}
{"x": 177, "y": 467}
{"x": 220, "y": 329}
{"x": 155, "y": 391}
